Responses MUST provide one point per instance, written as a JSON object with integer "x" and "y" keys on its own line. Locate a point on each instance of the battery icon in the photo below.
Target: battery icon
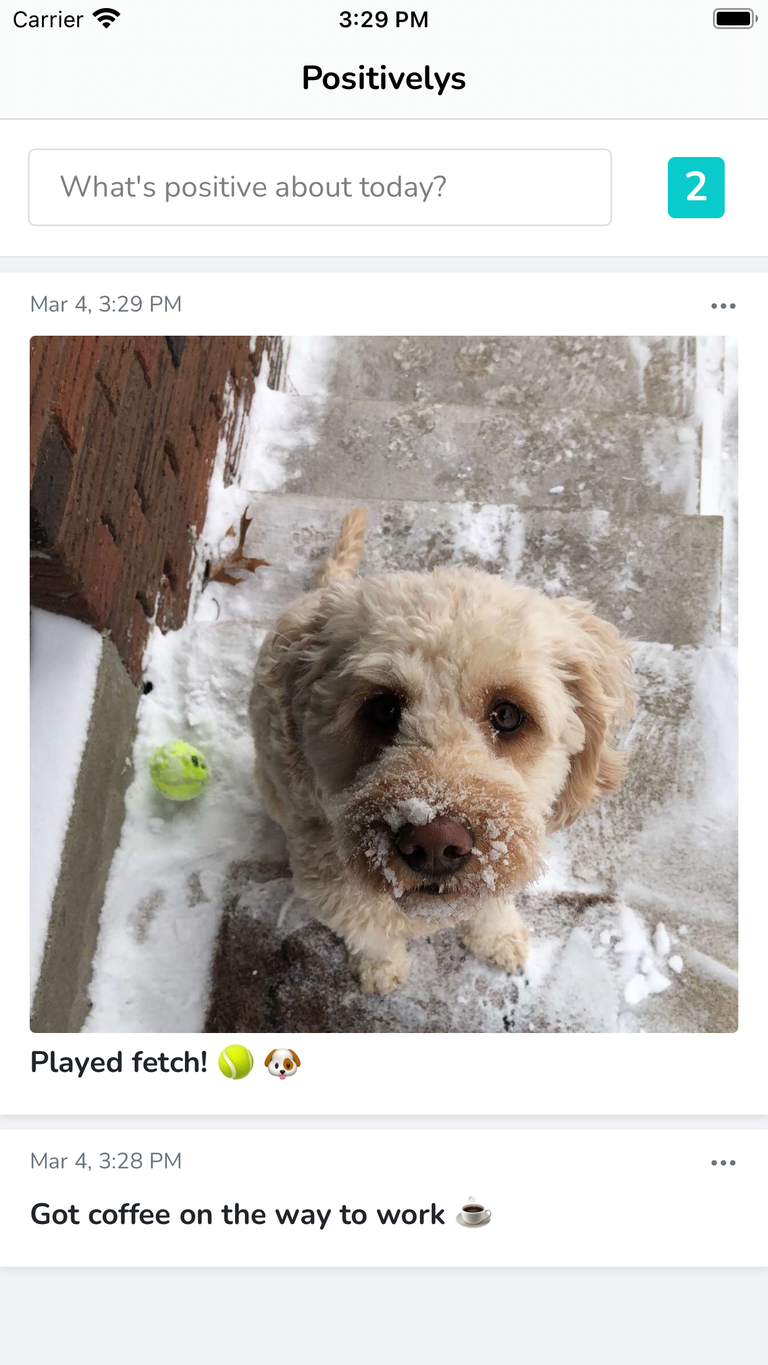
{"x": 733, "y": 18}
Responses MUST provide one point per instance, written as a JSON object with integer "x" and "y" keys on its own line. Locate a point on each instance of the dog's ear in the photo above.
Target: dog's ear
{"x": 296, "y": 653}
{"x": 597, "y": 669}
{"x": 291, "y": 658}
{"x": 270, "y": 1056}
{"x": 295, "y": 1056}
{"x": 290, "y": 652}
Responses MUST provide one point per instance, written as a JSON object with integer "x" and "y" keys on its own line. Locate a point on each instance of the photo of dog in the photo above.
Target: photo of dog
{"x": 417, "y": 737}
{"x": 450, "y": 625}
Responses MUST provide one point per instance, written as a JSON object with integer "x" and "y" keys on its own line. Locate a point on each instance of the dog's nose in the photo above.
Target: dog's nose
{"x": 436, "y": 849}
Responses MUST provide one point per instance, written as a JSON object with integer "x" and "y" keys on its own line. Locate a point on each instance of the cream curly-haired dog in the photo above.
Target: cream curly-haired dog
{"x": 418, "y": 735}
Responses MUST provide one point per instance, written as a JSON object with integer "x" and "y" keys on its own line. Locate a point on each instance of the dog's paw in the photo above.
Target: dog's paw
{"x": 380, "y": 976}
{"x": 506, "y": 950}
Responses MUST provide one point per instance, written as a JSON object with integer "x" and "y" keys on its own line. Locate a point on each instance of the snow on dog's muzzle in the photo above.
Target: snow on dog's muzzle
{"x": 439, "y": 848}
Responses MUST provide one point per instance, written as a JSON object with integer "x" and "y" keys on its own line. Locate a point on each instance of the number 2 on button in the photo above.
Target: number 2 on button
{"x": 694, "y": 194}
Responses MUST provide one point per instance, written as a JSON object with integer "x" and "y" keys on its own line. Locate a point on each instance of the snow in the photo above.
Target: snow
{"x": 661, "y": 940}
{"x": 413, "y": 812}
{"x": 64, "y": 667}
{"x": 163, "y": 898}
{"x": 635, "y": 990}
{"x": 487, "y": 535}
{"x": 642, "y": 353}
{"x": 270, "y": 433}
{"x": 716, "y": 408}
{"x": 579, "y": 992}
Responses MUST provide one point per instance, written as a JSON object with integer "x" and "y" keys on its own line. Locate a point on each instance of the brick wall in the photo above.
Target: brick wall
{"x": 124, "y": 431}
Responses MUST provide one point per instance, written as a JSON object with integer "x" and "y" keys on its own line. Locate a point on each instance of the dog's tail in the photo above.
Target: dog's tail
{"x": 344, "y": 559}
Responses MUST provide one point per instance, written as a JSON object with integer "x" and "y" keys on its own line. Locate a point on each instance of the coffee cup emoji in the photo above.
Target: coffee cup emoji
{"x": 474, "y": 1212}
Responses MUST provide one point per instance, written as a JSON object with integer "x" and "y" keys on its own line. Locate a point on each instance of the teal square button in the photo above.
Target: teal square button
{"x": 696, "y": 187}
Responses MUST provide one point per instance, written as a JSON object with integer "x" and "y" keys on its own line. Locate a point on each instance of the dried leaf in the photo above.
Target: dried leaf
{"x": 221, "y": 576}
{"x": 224, "y": 569}
{"x": 245, "y": 522}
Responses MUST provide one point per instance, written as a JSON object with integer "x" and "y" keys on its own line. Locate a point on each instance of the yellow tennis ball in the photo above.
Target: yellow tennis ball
{"x": 235, "y": 1062}
{"x": 178, "y": 771}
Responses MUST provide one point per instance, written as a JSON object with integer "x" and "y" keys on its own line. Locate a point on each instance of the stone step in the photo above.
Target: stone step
{"x": 567, "y": 456}
{"x": 666, "y": 841}
{"x": 625, "y": 567}
{"x": 608, "y": 374}
{"x": 277, "y": 970}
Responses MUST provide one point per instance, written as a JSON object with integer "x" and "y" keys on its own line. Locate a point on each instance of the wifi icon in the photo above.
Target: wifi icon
{"x": 106, "y": 17}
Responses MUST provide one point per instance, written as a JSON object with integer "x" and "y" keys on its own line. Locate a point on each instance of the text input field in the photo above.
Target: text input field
{"x": 312, "y": 187}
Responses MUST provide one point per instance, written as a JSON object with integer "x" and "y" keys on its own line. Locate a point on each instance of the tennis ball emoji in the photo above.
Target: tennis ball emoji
{"x": 235, "y": 1062}
{"x": 178, "y": 771}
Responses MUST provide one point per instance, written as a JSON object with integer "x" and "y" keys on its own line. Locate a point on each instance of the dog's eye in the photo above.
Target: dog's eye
{"x": 506, "y": 717}
{"x": 382, "y": 713}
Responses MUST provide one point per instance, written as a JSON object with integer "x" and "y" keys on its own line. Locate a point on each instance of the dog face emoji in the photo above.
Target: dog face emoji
{"x": 282, "y": 1064}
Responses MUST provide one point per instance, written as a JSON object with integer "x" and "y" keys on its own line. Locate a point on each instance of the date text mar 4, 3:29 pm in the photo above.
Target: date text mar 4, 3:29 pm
{"x": 121, "y": 303}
